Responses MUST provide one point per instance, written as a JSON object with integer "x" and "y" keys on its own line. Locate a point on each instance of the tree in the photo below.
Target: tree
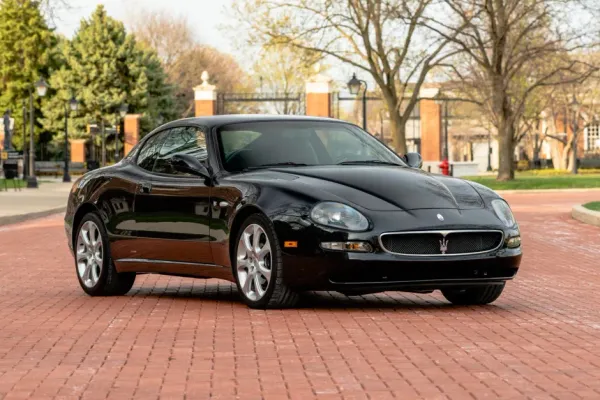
{"x": 284, "y": 70}
{"x": 225, "y": 74}
{"x": 26, "y": 45}
{"x": 104, "y": 68}
{"x": 160, "y": 96}
{"x": 515, "y": 47}
{"x": 567, "y": 121}
{"x": 385, "y": 38}
{"x": 170, "y": 36}
{"x": 184, "y": 60}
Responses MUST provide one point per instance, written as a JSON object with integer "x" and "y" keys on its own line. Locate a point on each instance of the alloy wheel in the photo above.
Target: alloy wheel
{"x": 89, "y": 253}
{"x": 254, "y": 261}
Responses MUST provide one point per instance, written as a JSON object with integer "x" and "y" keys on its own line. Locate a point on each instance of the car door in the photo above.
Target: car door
{"x": 176, "y": 205}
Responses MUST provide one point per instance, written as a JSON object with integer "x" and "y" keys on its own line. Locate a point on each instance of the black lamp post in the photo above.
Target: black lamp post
{"x": 73, "y": 104}
{"x": 441, "y": 101}
{"x": 122, "y": 112}
{"x": 575, "y": 107}
{"x": 354, "y": 87}
{"x": 41, "y": 88}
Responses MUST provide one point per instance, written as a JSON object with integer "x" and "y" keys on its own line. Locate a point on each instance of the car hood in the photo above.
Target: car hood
{"x": 405, "y": 188}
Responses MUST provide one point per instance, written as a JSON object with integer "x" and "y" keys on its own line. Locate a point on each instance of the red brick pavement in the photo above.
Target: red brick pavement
{"x": 176, "y": 338}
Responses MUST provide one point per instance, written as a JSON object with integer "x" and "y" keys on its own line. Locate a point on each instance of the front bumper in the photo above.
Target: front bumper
{"x": 349, "y": 271}
{"x": 308, "y": 267}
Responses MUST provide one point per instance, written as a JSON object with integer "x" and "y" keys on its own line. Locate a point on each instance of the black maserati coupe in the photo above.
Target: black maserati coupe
{"x": 280, "y": 205}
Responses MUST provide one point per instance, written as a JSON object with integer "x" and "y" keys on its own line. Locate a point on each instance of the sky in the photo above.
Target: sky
{"x": 204, "y": 16}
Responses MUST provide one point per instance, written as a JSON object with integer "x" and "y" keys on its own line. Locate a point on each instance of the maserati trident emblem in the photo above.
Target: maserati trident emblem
{"x": 444, "y": 245}
{"x": 440, "y": 217}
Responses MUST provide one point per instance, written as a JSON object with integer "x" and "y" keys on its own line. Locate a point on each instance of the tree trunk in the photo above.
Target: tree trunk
{"x": 398, "y": 131}
{"x": 506, "y": 130}
{"x": 506, "y": 150}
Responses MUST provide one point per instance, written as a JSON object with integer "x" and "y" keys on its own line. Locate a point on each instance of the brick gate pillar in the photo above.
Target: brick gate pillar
{"x": 77, "y": 150}
{"x": 318, "y": 95}
{"x": 205, "y": 98}
{"x": 132, "y": 131}
{"x": 431, "y": 126}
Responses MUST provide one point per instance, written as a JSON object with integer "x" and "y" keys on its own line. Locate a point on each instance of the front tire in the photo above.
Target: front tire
{"x": 93, "y": 263}
{"x": 258, "y": 266}
{"x": 478, "y": 295}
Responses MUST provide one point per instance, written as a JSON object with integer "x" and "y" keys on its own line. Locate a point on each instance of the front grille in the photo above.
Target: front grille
{"x": 439, "y": 243}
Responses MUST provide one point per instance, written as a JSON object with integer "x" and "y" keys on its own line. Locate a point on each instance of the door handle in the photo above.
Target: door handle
{"x": 145, "y": 187}
{"x": 220, "y": 204}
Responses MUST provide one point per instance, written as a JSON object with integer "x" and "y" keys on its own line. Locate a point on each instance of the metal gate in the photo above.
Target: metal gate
{"x": 261, "y": 103}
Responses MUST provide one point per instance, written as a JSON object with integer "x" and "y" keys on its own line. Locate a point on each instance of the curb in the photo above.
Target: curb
{"x": 582, "y": 214}
{"x": 519, "y": 191}
{"x": 13, "y": 219}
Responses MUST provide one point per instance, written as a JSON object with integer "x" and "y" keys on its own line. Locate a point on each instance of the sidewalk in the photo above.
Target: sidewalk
{"x": 49, "y": 198}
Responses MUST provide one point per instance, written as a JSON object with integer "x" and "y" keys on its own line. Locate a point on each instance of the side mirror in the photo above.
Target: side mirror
{"x": 413, "y": 160}
{"x": 189, "y": 164}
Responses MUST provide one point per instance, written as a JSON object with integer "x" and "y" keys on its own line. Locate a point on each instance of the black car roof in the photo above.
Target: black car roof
{"x": 218, "y": 120}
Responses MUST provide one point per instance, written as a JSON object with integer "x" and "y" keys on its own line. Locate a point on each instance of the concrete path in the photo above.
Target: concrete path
{"x": 49, "y": 198}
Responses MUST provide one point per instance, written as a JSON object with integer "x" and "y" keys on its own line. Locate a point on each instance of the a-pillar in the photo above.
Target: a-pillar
{"x": 318, "y": 95}
{"x": 431, "y": 126}
{"x": 205, "y": 98}
{"x": 77, "y": 150}
{"x": 132, "y": 131}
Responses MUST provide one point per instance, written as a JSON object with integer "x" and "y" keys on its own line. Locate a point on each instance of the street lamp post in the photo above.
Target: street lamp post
{"x": 41, "y": 88}
{"x": 441, "y": 101}
{"x": 122, "y": 112}
{"x": 575, "y": 106}
{"x": 354, "y": 87}
{"x": 73, "y": 106}
{"x": 25, "y": 159}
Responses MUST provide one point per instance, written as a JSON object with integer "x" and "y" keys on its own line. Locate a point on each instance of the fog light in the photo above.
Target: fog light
{"x": 362, "y": 247}
{"x": 513, "y": 242}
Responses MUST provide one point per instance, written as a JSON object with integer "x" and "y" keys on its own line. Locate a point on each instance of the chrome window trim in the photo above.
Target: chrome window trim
{"x": 444, "y": 233}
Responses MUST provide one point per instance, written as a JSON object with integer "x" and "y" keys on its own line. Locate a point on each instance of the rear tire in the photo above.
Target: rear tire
{"x": 258, "y": 266}
{"x": 478, "y": 295}
{"x": 93, "y": 262}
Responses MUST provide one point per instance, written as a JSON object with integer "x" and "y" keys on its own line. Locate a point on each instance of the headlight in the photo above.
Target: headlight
{"x": 503, "y": 212}
{"x": 337, "y": 215}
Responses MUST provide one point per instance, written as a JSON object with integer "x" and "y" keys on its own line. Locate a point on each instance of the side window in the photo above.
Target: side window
{"x": 188, "y": 140}
{"x": 149, "y": 152}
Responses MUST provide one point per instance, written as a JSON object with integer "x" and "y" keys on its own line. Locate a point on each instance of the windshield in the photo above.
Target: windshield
{"x": 260, "y": 144}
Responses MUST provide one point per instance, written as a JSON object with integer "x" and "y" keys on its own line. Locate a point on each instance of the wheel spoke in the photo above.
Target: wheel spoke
{"x": 87, "y": 273}
{"x": 259, "y": 290}
{"x": 246, "y": 284}
{"x": 242, "y": 263}
{"x": 265, "y": 272}
{"x": 264, "y": 252}
{"x": 247, "y": 244}
{"x": 82, "y": 254}
{"x": 95, "y": 273}
{"x": 84, "y": 234}
{"x": 256, "y": 238}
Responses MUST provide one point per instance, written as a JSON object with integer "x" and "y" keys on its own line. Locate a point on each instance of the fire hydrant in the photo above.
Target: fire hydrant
{"x": 445, "y": 167}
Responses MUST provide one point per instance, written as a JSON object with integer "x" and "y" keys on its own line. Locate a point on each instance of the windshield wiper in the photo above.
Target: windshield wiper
{"x": 370, "y": 162}
{"x": 280, "y": 164}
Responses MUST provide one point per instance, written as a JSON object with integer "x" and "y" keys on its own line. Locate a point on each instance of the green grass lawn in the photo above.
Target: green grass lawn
{"x": 9, "y": 184}
{"x": 529, "y": 181}
{"x": 594, "y": 206}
